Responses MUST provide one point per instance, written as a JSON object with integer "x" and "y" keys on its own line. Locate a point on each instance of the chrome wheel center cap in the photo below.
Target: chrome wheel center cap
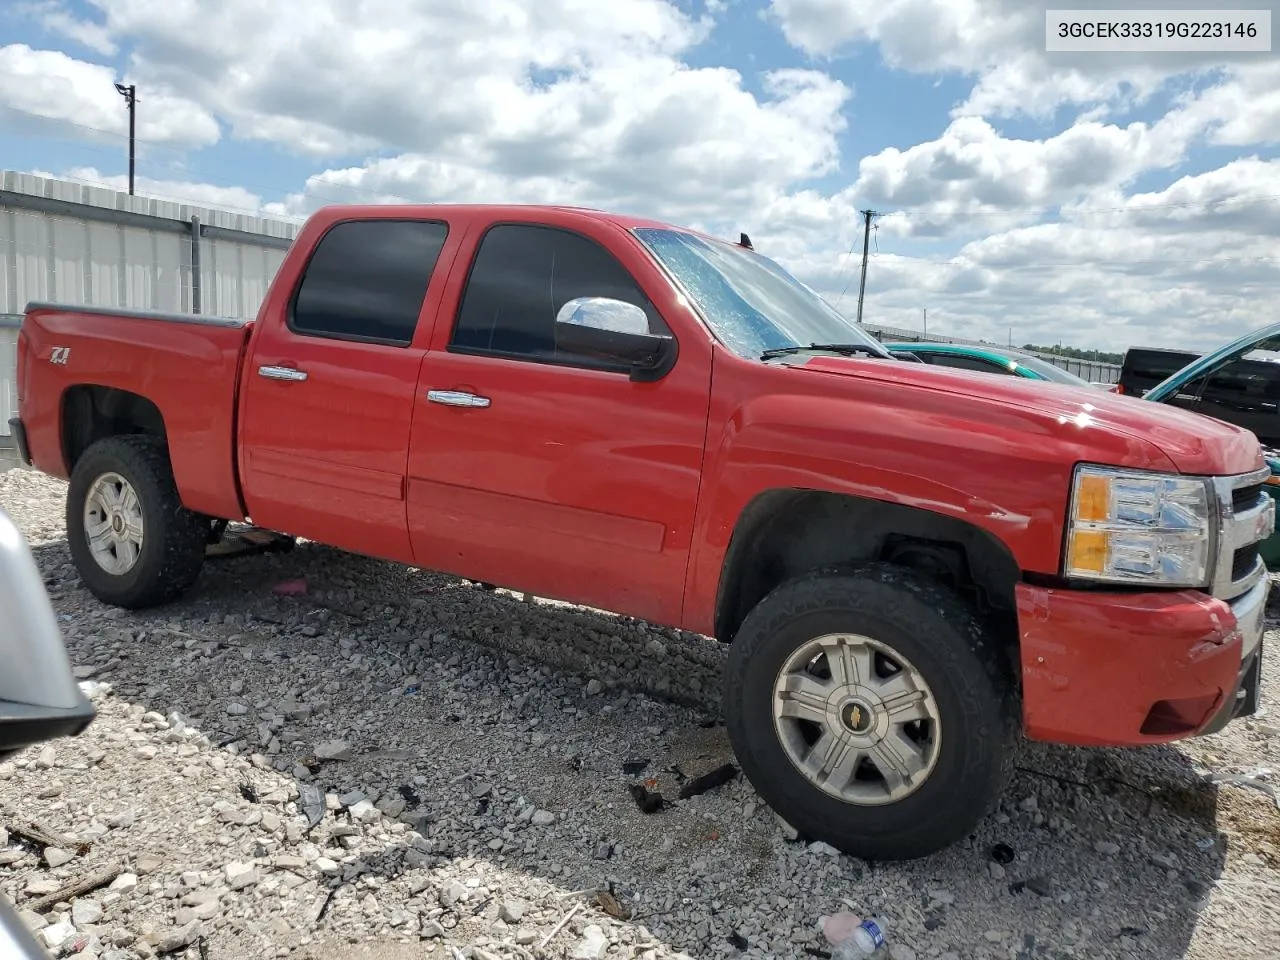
{"x": 857, "y": 717}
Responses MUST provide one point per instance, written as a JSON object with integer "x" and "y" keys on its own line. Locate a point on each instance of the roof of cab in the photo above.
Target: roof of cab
{"x": 505, "y": 211}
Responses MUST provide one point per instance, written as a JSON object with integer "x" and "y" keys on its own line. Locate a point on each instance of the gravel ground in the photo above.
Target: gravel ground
{"x": 475, "y": 750}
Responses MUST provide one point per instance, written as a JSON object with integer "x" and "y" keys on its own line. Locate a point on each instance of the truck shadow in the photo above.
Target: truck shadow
{"x": 475, "y": 706}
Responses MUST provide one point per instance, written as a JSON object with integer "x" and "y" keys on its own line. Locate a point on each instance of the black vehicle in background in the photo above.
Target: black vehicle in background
{"x": 1245, "y": 392}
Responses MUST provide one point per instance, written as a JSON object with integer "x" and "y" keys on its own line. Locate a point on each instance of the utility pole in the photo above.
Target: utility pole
{"x": 130, "y": 94}
{"x": 1011, "y": 336}
{"x": 866, "y": 247}
{"x": 926, "y": 323}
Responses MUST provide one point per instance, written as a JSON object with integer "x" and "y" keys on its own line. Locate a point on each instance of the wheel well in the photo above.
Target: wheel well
{"x": 93, "y": 413}
{"x": 785, "y": 533}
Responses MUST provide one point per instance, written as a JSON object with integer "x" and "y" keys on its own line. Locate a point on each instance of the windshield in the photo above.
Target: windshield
{"x": 1266, "y": 339}
{"x": 1049, "y": 371}
{"x": 750, "y": 303}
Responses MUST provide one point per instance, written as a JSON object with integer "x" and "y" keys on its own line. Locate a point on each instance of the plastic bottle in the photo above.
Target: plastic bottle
{"x": 854, "y": 939}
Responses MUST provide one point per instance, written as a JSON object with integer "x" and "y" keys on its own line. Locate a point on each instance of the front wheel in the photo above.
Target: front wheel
{"x": 133, "y": 542}
{"x": 871, "y": 711}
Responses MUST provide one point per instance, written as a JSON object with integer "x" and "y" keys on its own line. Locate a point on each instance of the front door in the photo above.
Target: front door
{"x": 329, "y": 388}
{"x": 538, "y": 470}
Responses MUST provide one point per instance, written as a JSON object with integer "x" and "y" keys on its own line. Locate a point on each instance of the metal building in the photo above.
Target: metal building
{"x": 76, "y": 244}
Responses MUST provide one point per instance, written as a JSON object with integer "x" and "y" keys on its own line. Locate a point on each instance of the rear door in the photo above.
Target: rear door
{"x": 539, "y": 470}
{"x": 329, "y": 388}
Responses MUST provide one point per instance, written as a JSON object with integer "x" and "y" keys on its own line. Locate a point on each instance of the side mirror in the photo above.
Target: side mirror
{"x": 614, "y": 330}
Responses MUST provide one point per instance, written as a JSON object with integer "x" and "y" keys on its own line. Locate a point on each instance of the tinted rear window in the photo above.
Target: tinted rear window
{"x": 367, "y": 280}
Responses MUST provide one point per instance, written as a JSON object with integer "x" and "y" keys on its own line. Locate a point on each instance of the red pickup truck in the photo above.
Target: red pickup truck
{"x": 913, "y": 565}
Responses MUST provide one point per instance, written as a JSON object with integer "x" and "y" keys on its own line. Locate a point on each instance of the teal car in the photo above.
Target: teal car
{"x": 986, "y": 359}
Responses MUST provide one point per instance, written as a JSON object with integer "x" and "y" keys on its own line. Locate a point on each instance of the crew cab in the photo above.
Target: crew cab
{"x": 641, "y": 418}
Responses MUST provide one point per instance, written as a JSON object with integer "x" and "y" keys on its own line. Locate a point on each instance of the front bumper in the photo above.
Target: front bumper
{"x": 1125, "y": 669}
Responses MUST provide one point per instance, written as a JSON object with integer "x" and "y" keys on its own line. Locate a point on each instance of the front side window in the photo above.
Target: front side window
{"x": 750, "y": 303}
{"x": 522, "y": 275}
{"x": 367, "y": 279}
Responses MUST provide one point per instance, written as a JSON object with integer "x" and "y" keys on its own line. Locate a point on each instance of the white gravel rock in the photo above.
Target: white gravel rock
{"x": 240, "y": 875}
{"x": 333, "y": 750}
{"x": 55, "y": 934}
{"x": 593, "y": 946}
{"x": 56, "y": 856}
{"x": 85, "y": 913}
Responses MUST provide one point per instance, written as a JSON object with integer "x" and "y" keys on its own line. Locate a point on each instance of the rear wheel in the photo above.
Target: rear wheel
{"x": 871, "y": 711}
{"x": 133, "y": 542}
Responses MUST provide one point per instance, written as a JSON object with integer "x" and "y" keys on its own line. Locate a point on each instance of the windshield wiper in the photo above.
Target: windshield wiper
{"x": 845, "y": 348}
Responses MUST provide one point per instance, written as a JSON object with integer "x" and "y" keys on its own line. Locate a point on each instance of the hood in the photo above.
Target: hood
{"x": 1192, "y": 443}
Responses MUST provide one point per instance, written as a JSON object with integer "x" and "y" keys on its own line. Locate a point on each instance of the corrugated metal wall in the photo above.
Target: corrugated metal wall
{"x": 82, "y": 245}
{"x": 8, "y": 368}
{"x": 78, "y": 244}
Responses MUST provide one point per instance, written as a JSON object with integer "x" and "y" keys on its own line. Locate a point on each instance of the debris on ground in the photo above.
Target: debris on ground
{"x": 708, "y": 781}
{"x": 649, "y": 801}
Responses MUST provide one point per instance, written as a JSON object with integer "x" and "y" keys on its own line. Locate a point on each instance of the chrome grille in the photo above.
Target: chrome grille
{"x": 1246, "y": 516}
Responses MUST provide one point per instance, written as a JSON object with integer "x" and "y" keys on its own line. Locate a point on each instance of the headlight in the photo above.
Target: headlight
{"x": 1129, "y": 527}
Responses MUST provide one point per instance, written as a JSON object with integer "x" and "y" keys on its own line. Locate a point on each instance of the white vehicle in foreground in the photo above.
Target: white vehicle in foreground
{"x": 39, "y": 697}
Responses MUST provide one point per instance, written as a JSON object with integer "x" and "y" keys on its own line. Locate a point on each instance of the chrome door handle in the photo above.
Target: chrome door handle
{"x": 456, "y": 398}
{"x": 282, "y": 373}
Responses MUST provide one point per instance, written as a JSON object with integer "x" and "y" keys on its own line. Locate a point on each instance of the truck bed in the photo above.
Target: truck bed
{"x": 185, "y": 365}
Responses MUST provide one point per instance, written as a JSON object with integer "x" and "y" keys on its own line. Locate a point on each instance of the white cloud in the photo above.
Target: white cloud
{"x": 746, "y": 152}
{"x": 972, "y": 171}
{"x": 1243, "y": 108}
{"x": 418, "y": 76}
{"x": 57, "y": 20}
{"x": 1191, "y": 265}
{"x": 502, "y": 100}
{"x": 1001, "y": 43}
{"x": 52, "y": 86}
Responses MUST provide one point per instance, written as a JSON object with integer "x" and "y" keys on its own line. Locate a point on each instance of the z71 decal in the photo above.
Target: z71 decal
{"x": 60, "y": 355}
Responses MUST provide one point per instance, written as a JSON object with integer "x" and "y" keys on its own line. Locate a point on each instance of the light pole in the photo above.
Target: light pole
{"x": 130, "y": 94}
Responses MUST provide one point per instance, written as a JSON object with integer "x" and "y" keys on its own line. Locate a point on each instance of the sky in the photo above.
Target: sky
{"x": 1098, "y": 200}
